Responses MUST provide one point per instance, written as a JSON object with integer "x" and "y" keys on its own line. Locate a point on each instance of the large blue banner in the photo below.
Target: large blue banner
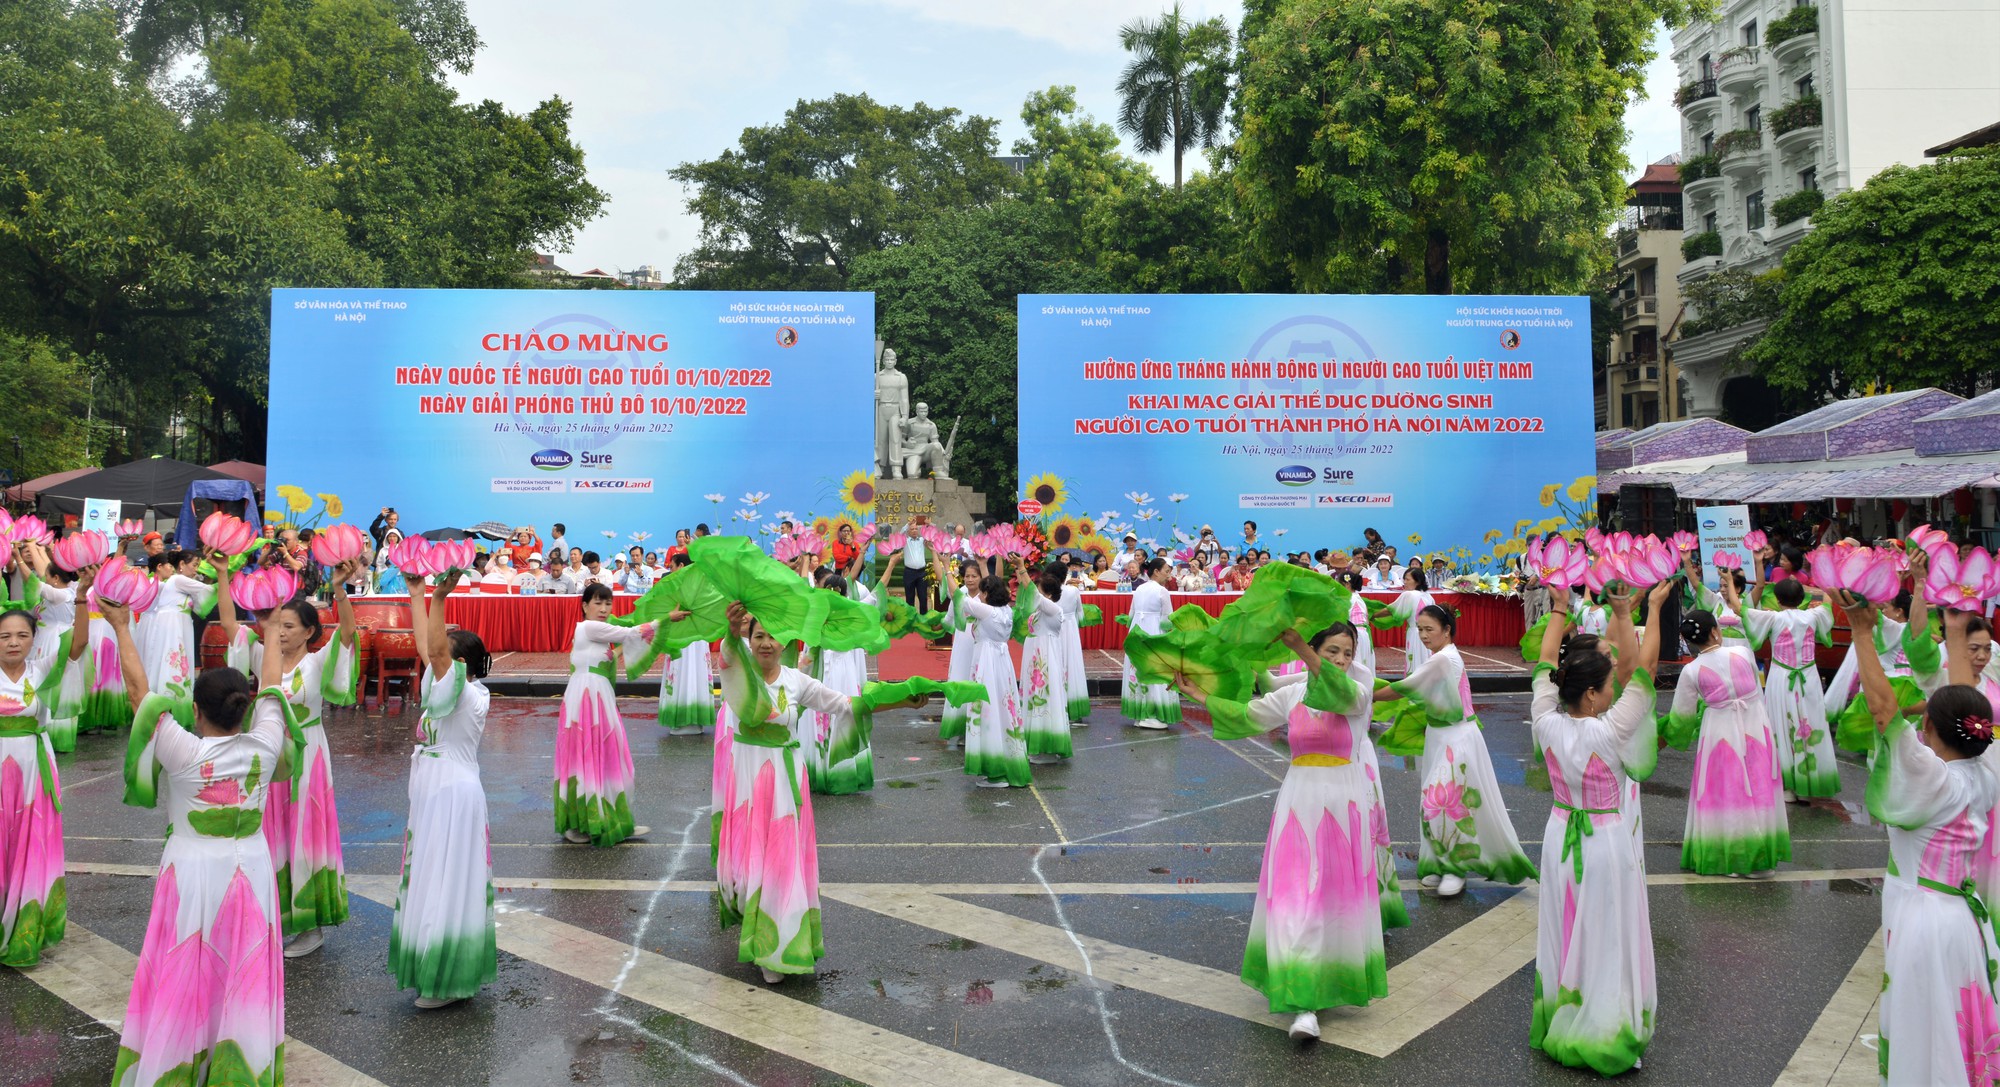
{"x": 1438, "y": 421}
{"x": 614, "y": 412}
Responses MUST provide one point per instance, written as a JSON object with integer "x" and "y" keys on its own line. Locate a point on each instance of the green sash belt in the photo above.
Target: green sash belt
{"x": 19, "y": 732}
{"x": 1576, "y": 829}
{"x": 1981, "y": 918}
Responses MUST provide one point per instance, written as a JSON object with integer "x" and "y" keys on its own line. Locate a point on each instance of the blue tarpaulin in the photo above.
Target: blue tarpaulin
{"x": 187, "y": 531}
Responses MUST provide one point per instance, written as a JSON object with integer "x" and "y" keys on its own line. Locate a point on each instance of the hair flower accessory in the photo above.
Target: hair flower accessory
{"x": 1976, "y": 727}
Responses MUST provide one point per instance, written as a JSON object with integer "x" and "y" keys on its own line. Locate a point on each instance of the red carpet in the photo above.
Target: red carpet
{"x": 912, "y": 656}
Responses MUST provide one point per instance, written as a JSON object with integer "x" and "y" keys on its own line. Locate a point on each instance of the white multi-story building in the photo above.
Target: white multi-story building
{"x": 1785, "y": 103}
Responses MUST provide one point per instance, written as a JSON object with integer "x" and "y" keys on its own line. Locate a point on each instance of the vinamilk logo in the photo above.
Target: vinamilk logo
{"x": 550, "y": 460}
{"x": 1296, "y": 475}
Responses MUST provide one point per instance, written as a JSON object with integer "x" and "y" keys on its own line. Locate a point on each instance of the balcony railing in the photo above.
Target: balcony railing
{"x": 1644, "y": 305}
{"x": 1797, "y": 114}
{"x": 1694, "y": 91}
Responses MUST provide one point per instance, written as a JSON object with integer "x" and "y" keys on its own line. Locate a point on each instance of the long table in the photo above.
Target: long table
{"x": 544, "y": 624}
{"x": 1483, "y": 618}
{"x": 524, "y": 624}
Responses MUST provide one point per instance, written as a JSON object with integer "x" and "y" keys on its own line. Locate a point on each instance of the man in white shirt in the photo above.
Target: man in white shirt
{"x": 1384, "y": 574}
{"x": 593, "y": 565}
{"x": 559, "y": 545}
{"x": 916, "y": 565}
{"x": 639, "y": 576}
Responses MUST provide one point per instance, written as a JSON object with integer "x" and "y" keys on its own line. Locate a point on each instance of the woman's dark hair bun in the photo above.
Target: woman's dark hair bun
{"x": 1698, "y": 627}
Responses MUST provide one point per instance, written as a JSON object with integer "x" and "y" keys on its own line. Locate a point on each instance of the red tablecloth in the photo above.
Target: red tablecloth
{"x": 523, "y": 624}
{"x": 1483, "y": 619}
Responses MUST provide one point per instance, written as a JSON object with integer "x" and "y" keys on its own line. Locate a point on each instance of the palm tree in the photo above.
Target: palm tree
{"x": 1175, "y": 88}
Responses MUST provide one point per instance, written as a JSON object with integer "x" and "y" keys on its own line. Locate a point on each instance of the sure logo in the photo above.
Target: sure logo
{"x": 1296, "y": 475}
{"x": 550, "y": 460}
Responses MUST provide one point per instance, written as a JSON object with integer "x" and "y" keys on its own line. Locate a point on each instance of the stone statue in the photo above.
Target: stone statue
{"x": 920, "y": 452}
{"x": 892, "y": 406}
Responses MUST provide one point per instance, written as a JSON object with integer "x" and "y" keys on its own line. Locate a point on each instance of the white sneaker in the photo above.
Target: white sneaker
{"x": 306, "y": 944}
{"x": 1149, "y": 723}
{"x": 684, "y": 730}
{"x": 771, "y": 977}
{"x": 1429, "y": 881}
{"x": 1450, "y": 886}
{"x": 1790, "y": 797}
{"x": 429, "y": 1002}
{"x": 576, "y": 836}
{"x": 1044, "y": 760}
{"x": 985, "y": 783}
{"x": 639, "y": 832}
{"x": 1305, "y": 1027}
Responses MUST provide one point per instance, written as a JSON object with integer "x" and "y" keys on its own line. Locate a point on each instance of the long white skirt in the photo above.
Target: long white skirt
{"x": 442, "y": 941}
{"x": 1937, "y": 1014}
{"x": 166, "y": 645}
{"x": 1466, "y": 830}
{"x": 1045, "y": 696}
{"x": 844, "y": 672}
{"x": 958, "y": 671}
{"x": 687, "y": 703}
{"x": 1076, "y": 683}
{"x": 1595, "y": 990}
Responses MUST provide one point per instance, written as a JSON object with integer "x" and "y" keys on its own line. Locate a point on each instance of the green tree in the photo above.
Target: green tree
{"x": 42, "y": 401}
{"x": 1897, "y": 285}
{"x": 1149, "y": 239}
{"x": 796, "y": 203}
{"x": 1173, "y": 92}
{"x": 1439, "y": 145}
{"x": 946, "y": 302}
{"x": 1073, "y": 161}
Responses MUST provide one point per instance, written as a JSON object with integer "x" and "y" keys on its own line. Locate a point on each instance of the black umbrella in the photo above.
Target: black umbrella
{"x": 1076, "y": 553}
{"x": 440, "y": 534}
{"x": 492, "y": 530}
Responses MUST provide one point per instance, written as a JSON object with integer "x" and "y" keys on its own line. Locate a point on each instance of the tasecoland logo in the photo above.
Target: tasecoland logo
{"x": 550, "y": 460}
{"x": 1296, "y": 475}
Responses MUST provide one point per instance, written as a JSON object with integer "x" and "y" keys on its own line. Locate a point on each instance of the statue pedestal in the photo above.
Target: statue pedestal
{"x": 945, "y": 502}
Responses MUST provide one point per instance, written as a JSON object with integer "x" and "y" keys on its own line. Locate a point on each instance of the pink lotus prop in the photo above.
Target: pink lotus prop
{"x": 1930, "y": 540}
{"x": 227, "y": 534}
{"x": 412, "y": 555}
{"x": 1863, "y": 571}
{"x": 32, "y": 529}
{"x": 1962, "y": 584}
{"x": 6, "y": 551}
{"x": 452, "y": 555}
{"x": 866, "y": 534}
{"x": 78, "y": 550}
{"x": 6, "y": 525}
{"x": 1650, "y": 562}
{"x": 1755, "y": 541}
{"x": 892, "y": 543}
{"x": 1685, "y": 542}
{"x": 1728, "y": 560}
{"x": 129, "y": 529}
{"x": 1558, "y": 563}
{"x": 262, "y": 590}
{"x": 1593, "y": 538}
{"x": 338, "y": 543}
{"x": 797, "y": 545}
{"x": 119, "y": 582}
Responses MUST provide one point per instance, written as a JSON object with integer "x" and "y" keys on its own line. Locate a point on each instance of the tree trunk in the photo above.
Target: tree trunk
{"x": 1177, "y": 164}
{"x": 1437, "y": 263}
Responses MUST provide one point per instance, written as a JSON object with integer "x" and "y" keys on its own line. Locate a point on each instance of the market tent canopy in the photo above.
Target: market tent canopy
{"x": 1848, "y": 428}
{"x": 23, "y": 492}
{"x": 158, "y": 484}
{"x": 1676, "y": 440}
{"x": 252, "y": 474}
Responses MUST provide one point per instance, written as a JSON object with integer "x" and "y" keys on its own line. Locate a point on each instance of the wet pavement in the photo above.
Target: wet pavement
{"x": 1087, "y": 931}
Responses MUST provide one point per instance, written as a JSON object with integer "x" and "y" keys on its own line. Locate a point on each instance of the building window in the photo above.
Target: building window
{"x": 1753, "y": 210}
{"x": 1753, "y": 118}
{"x": 1646, "y": 280}
{"x": 1708, "y": 143}
{"x": 1750, "y": 34}
{"x": 1809, "y": 178}
{"x": 1708, "y": 223}
{"x": 1804, "y": 86}
{"x": 1707, "y": 66}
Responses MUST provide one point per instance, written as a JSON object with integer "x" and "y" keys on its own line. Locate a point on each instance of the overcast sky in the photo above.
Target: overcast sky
{"x": 655, "y": 83}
